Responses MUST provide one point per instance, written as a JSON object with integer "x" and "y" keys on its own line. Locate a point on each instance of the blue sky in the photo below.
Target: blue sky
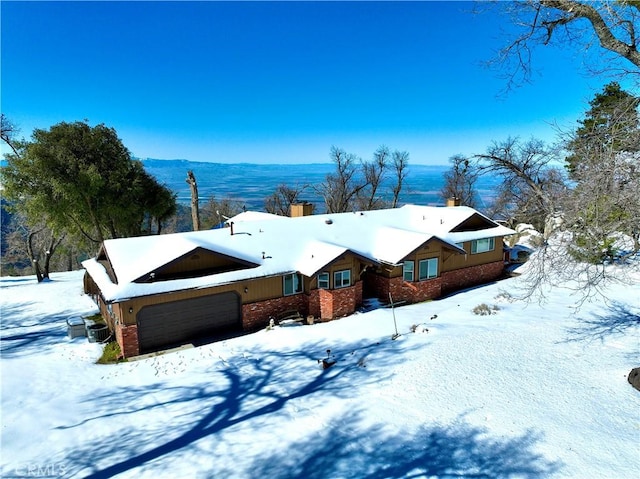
{"x": 269, "y": 82}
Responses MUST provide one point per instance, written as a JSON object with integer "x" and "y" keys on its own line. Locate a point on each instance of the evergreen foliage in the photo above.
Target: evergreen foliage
{"x": 82, "y": 181}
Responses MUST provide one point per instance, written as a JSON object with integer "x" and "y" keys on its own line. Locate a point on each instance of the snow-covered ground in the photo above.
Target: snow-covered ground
{"x": 530, "y": 391}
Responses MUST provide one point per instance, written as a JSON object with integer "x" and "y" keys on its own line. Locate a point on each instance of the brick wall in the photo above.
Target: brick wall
{"x": 465, "y": 277}
{"x": 127, "y": 337}
{"x": 336, "y": 303}
{"x": 414, "y": 292}
{"x": 256, "y": 315}
{"x": 320, "y": 303}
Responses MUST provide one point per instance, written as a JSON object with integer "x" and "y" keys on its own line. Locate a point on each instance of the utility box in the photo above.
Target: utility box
{"x": 76, "y": 328}
{"x": 97, "y": 333}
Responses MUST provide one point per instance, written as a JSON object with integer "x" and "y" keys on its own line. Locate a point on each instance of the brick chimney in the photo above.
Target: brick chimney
{"x": 453, "y": 201}
{"x": 300, "y": 209}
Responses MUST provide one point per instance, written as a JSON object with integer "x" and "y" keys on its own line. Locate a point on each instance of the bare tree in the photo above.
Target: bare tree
{"x": 215, "y": 211}
{"x": 33, "y": 244}
{"x": 280, "y": 201}
{"x": 195, "y": 211}
{"x": 609, "y": 27}
{"x": 8, "y": 132}
{"x": 374, "y": 174}
{"x": 340, "y": 189}
{"x": 460, "y": 181}
{"x": 595, "y": 236}
{"x": 400, "y": 164}
{"x": 531, "y": 187}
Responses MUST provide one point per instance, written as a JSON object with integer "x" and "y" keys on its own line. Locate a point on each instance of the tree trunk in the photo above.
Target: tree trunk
{"x": 195, "y": 212}
{"x": 32, "y": 257}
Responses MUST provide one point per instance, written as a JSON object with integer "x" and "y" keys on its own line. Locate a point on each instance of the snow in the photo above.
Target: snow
{"x": 263, "y": 240}
{"x": 530, "y": 391}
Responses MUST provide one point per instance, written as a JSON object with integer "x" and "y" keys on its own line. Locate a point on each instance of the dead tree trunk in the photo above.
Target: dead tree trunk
{"x": 195, "y": 212}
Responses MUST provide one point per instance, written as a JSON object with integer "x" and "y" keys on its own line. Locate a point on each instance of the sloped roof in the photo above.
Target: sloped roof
{"x": 280, "y": 245}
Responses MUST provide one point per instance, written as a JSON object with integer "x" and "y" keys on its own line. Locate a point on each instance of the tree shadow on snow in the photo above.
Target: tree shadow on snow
{"x": 25, "y": 340}
{"x": 347, "y": 450}
{"x": 617, "y": 320}
{"x": 257, "y": 387}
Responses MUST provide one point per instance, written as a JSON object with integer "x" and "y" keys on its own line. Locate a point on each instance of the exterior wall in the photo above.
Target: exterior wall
{"x": 345, "y": 262}
{"x": 256, "y": 315}
{"x": 199, "y": 260}
{"x": 463, "y": 278}
{"x": 403, "y": 291}
{"x": 458, "y": 261}
{"x": 329, "y": 304}
{"x": 446, "y": 282}
{"x": 127, "y": 337}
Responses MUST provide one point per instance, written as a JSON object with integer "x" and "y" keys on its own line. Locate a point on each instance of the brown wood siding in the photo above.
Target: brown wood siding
{"x": 344, "y": 262}
{"x": 456, "y": 261}
{"x": 199, "y": 261}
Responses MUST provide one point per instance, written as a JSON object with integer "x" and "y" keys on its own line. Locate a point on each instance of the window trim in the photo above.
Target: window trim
{"x": 340, "y": 284}
{"x": 406, "y": 270}
{"x": 491, "y": 245}
{"x": 297, "y": 278}
{"x": 328, "y": 280}
{"x": 428, "y": 262}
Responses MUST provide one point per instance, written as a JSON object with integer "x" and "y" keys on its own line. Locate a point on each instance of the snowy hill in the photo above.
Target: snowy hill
{"x": 530, "y": 391}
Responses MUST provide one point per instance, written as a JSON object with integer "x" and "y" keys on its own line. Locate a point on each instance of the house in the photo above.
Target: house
{"x": 158, "y": 291}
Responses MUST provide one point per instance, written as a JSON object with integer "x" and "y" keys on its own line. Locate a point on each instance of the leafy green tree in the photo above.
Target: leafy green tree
{"x": 609, "y": 127}
{"x": 82, "y": 181}
{"x": 604, "y": 163}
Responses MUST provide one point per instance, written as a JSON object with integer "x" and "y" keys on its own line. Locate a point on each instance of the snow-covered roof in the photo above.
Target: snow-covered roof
{"x": 279, "y": 245}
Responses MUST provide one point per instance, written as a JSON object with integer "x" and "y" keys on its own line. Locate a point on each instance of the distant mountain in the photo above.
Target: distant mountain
{"x": 252, "y": 183}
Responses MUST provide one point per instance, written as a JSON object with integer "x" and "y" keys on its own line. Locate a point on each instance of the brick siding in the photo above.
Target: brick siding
{"x": 127, "y": 337}
{"x": 256, "y": 315}
{"x": 465, "y": 277}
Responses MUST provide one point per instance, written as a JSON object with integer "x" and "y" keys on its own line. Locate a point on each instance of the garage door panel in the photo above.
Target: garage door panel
{"x": 175, "y": 322}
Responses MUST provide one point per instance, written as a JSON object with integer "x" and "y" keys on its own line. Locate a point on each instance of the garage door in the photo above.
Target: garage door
{"x": 179, "y": 322}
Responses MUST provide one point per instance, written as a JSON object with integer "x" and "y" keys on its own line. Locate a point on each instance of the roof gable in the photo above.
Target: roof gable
{"x": 197, "y": 262}
{"x": 475, "y": 222}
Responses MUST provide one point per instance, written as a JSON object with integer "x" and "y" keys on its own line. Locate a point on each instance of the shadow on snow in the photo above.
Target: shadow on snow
{"x": 347, "y": 450}
{"x": 258, "y": 389}
{"x": 617, "y": 320}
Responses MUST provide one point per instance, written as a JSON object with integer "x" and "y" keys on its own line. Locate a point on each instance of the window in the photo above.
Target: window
{"x": 342, "y": 279}
{"x": 428, "y": 269}
{"x": 482, "y": 245}
{"x": 407, "y": 270}
{"x": 323, "y": 281}
{"x": 292, "y": 284}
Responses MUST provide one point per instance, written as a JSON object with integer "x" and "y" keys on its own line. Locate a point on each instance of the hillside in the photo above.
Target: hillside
{"x": 530, "y": 391}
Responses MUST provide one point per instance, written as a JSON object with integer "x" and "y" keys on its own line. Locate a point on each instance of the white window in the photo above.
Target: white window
{"x": 323, "y": 281}
{"x": 428, "y": 268}
{"x": 342, "y": 279}
{"x": 407, "y": 270}
{"x": 292, "y": 284}
{"x": 483, "y": 245}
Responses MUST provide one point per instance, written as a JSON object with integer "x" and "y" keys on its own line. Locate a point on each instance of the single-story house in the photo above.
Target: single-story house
{"x": 163, "y": 290}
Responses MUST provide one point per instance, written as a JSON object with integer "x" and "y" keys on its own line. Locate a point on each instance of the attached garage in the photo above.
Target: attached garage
{"x": 179, "y": 322}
